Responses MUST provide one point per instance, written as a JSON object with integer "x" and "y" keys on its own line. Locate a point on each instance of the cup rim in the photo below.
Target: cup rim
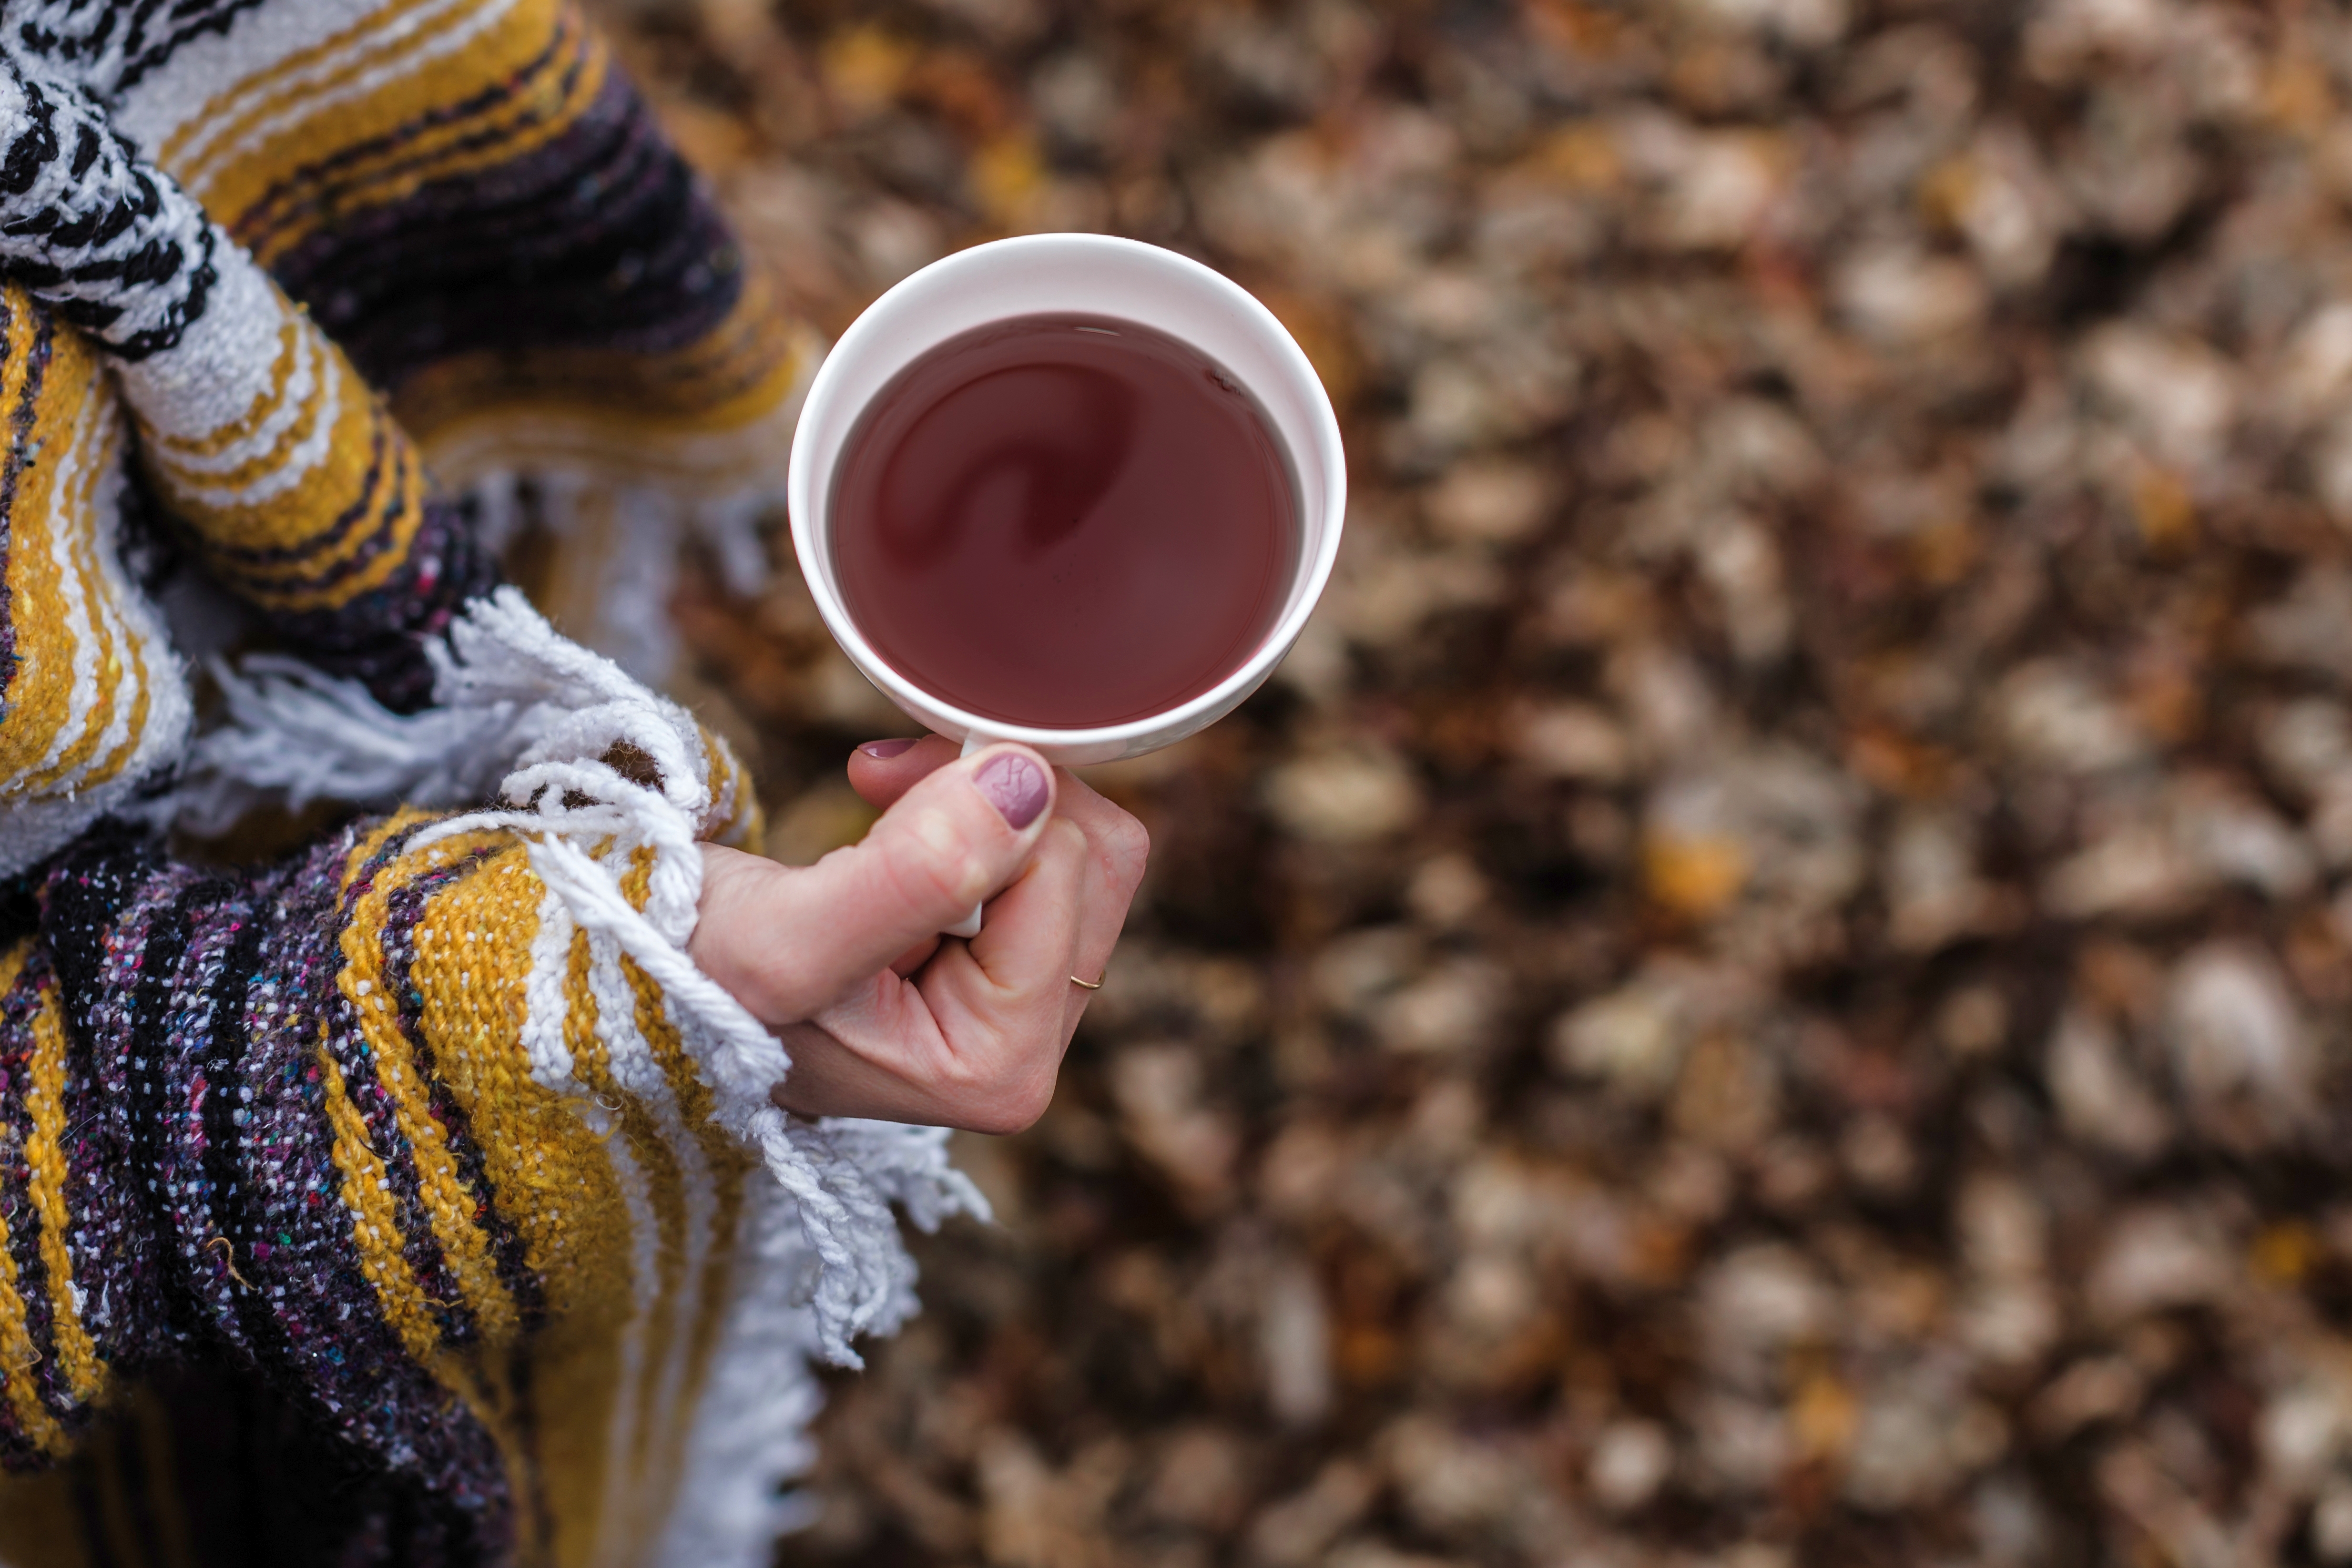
{"x": 801, "y": 501}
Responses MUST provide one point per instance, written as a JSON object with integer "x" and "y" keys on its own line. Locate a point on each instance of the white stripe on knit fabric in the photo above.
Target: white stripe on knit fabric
{"x": 223, "y": 363}
{"x": 187, "y": 88}
{"x": 372, "y": 30}
{"x": 620, "y": 1504}
{"x": 616, "y": 1500}
{"x": 630, "y": 1057}
{"x": 300, "y": 458}
{"x": 751, "y": 1430}
{"x": 545, "y": 1006}
{"x": 406, "y": 60}
{"x": 304, "y": 383}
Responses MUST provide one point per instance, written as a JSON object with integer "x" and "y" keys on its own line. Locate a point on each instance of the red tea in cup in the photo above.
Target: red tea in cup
{"x": 1064, "y": 522}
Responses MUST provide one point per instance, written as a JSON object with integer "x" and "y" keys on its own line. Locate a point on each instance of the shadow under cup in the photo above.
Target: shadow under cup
{"x": 1070, "y": 276}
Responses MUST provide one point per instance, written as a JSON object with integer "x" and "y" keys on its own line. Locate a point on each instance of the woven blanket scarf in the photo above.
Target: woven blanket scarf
{"x": 411, "y": 1199}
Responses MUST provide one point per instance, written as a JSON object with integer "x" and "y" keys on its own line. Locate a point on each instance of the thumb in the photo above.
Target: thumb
{"x": 951, "y": 842}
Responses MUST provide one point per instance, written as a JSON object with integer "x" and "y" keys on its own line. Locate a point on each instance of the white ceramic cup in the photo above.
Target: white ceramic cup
{"x": 1086, "y": 274}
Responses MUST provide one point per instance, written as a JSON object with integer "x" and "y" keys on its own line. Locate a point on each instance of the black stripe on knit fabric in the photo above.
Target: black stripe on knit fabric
{"x": 424, "y": 1251}
{"x": 91, "y": 44}
{"x": 34, "y": 147}
{"x": 506, "y": 1248}
{"x": 390, "y": 491}
{"x": 141, "y": 58}
{"x": 147, "y": 1071}
{"x": 302, "y": 193}
{"x": 105, "y": 882}
{"x": 234, "y": 1210}
{"x": 601, "y": 238}
{"x": 375, "y": 636}
{"x": 201, "y": 276}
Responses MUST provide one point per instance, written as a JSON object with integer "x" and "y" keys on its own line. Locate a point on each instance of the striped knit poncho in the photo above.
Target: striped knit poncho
{"x": 413, "y": 1200}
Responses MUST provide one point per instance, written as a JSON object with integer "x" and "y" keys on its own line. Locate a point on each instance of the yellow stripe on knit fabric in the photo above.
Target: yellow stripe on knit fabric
{"x": 40, "y": 692}
{"x": 724, "y": 1164}
{"x": 473, "y": 943}
{"x": 566, "y": 65}
{"x": 46, "y": 1164}
{"x": 366, "y": 1190}
{"x": 266, "y": 501}
{"x": 563, "y": 88}
{"x": 311, "y": 104}
{"x": 395, "y": 503}
{"x": 370, "y": 473}
{"x": 372, "y": 843}
{"x": 448, "y": 1205}
{"x": 87, "y": 453}
{"x": 666, "y": 1194}
{"x": 18, "y": 1358}
{"x": 381, "y": 99}
{"x": 236, "y": 108}
{"x": 334, "y": 393}
{"x": 375, "y": 1226}
{"x": 120, "y": 591}
{"x": 586, "y": 1366}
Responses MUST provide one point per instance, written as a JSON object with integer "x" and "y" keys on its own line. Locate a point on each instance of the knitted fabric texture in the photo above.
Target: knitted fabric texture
{"x": 413, "y": 1199}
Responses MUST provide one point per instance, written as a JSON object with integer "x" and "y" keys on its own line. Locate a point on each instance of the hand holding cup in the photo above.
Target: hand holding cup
{"x": 885, "y": 1019}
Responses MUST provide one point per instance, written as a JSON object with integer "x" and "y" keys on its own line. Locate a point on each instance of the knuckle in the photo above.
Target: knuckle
{"x": 1128, "y": 844}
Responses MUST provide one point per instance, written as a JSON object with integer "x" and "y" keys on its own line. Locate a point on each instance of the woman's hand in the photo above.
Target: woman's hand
{"x": 883, "y": 1016}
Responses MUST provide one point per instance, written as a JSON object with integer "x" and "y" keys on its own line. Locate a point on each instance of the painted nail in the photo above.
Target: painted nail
{"x": 1014, "y": 786}
{"x": 883, "y": 751}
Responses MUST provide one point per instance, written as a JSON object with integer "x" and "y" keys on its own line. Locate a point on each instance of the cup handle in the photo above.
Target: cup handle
{"x": 970, "y": 925}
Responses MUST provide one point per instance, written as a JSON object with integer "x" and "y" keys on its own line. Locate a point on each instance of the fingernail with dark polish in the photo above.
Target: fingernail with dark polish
{"x": 1014, "y": 786}
{"x": 883, "y": 751}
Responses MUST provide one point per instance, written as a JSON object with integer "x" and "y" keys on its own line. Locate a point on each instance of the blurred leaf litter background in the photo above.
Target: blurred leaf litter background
{"x": 1768, "y": 984}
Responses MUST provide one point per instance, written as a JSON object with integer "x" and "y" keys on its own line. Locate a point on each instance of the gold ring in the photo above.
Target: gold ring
{"x": 1090, "y": 985}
